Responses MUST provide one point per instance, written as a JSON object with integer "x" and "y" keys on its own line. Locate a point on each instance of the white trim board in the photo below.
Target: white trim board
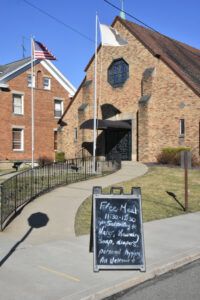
{"x": 58, "y": 76}
{"x": 50, "y": 68}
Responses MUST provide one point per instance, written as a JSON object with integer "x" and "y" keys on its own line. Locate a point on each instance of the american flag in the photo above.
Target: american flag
{"x": 41, "y": 52}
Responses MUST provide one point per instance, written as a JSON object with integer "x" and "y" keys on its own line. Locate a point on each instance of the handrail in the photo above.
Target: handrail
{"x": 25, "y": 186}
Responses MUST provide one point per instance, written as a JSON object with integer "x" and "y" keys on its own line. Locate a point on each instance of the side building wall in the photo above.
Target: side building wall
{"x": 171, "y": 101}
{"x": 45, "y": 122}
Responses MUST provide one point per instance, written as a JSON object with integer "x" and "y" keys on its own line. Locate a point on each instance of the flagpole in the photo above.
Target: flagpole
{"x": 32, "y": 106}
{"x": 95, "y": 100}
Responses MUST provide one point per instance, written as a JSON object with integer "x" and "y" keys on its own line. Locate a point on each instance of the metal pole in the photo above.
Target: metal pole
{"x": 32, "y": 183}
{"x": 95, "y": 101}
{"x": 1, "y": 209}
{"x": 16, "y": 189}
{"x": 186, "y": 179}
{"x": 32, "y": 108}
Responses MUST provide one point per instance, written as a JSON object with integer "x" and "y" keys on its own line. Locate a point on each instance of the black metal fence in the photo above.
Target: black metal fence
{"x": 18, "y": 190}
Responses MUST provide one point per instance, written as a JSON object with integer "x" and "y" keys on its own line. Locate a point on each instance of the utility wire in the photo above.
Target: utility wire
{"x": 85, "y": 36}
{"x": 139, "y": 21}
{"x": 131, "y": 16}
{"x": 58, "y": 21}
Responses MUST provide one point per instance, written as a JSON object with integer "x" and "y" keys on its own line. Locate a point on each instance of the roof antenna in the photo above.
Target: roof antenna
{"x": 23, "y": 47}
{"x": 122, "y": 13}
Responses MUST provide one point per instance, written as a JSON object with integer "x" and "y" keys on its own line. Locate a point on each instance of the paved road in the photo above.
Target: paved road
{"x": 182, "y": 284}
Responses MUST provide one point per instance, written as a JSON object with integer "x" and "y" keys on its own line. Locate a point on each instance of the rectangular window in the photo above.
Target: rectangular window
{"x": 18, "y": 104}
{"x": 47, "y": 83}
{"x": 55, "y": 140}
{"x": 18, "y": 139}
{"x": 182, "y": 127}
{"x": 75, "y": 134}
{"x": 58, "y": 108}
{"x": 29, "y": 80}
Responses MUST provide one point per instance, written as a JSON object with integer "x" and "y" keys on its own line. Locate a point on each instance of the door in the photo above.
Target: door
{"x": 118, "y": 142}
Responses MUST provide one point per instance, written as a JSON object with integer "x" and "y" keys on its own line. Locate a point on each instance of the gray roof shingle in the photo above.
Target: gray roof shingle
{"x": 183, "y": 59}
{"x": 8, "y": 68}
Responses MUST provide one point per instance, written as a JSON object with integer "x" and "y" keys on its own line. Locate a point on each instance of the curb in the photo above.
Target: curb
{"x": 143, "y": 277}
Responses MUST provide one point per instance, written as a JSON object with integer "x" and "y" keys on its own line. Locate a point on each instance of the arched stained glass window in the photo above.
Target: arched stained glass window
{"x": 118, "y": 72}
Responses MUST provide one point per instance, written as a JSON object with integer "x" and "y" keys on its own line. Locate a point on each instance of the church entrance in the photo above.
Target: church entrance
{"x": 118, "y": 142}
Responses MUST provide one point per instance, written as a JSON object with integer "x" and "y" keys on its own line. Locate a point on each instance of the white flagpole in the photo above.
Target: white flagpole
{"x": 95, "y": 101}
{"x": 32, "y": 106}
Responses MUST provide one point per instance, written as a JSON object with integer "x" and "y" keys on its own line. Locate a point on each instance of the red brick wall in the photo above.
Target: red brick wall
{"x": 45, "y": 123}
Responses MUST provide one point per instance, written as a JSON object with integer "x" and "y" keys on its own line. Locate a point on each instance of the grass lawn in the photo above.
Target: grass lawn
{"x": 156, "y": 203}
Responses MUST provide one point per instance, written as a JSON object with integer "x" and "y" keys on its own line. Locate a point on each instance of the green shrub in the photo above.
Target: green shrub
{"x": 44, "y": 160}
{"x": 171, "y": 155}
{"x": 60, "y": 157}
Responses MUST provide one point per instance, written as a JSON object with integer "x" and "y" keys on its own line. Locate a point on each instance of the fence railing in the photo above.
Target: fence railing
{"x": 18, "y": 190}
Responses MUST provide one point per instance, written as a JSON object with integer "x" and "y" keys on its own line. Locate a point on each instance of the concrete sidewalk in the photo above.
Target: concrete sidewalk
{"x": 53, "y": 264}
{"x": 63, "y": 270}
{"x": 61, "y": 205}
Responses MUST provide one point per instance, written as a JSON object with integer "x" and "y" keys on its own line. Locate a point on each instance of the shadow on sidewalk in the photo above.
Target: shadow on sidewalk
{"x": 36, "y": 220}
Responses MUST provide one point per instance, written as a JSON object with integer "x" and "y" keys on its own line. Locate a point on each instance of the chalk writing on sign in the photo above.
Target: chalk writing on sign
{"x": 118, "y": 236}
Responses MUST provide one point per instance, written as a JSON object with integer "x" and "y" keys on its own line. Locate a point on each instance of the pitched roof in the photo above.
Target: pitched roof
{"x": 183, "y": 59}
{"x": 9, "y": 68}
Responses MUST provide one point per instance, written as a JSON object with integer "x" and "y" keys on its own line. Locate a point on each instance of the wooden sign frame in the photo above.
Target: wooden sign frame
{"x": 119, "y": 199}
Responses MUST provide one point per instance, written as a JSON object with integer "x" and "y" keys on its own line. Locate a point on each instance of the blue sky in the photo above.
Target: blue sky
{"x": 178, "y": 19}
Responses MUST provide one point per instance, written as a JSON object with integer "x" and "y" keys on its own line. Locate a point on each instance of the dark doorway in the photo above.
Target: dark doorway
{"x": 118, "y": 142}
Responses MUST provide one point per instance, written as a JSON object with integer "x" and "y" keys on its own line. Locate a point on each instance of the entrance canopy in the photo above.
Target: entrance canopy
{"x": 105, "y": 124}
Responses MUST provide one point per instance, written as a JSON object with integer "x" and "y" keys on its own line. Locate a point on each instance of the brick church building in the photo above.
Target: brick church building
{"x": 148, "y": 97}
{"x": 52, "y": 94}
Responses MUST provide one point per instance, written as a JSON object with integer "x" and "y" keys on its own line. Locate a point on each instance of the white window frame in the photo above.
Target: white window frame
{"x": 22, "y": 103}
{"x": 182, "y": 127}
{"x": 30, "y": 81}
{"x": 61, "y": 102}
{"x": 21, "y": 139}
{"x": 47, "y": 87}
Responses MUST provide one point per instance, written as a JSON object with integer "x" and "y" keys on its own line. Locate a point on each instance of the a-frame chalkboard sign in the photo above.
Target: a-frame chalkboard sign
{"x": 118, "y": 241}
